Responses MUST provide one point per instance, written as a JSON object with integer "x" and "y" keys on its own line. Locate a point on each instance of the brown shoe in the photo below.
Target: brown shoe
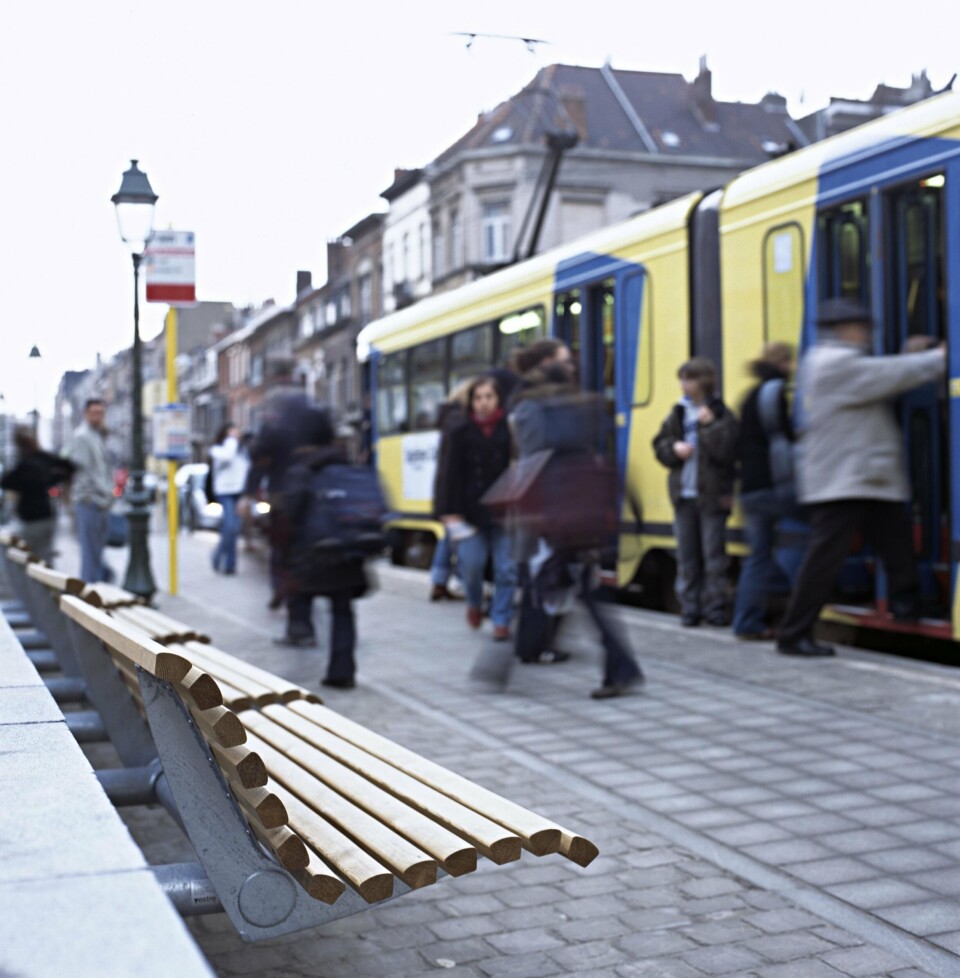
{"x": 474, "y": 617}
{"x": 439, "y": 592}
{"x": 501, "y": 633}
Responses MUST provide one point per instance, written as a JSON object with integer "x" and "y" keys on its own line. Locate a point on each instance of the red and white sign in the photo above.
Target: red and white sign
{"x": 169, "y": 264}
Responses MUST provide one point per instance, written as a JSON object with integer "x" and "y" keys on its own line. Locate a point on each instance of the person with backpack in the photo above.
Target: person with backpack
{"x": 335, "y": 512}
{"x": 697, "y": 443}
{"x": 767, "y": 488}
{"x": 479, "y": 452}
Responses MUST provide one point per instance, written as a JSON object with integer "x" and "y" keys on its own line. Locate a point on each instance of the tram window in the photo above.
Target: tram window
{"x": 567, "y": 312}
{"x": 637, "y": 299}
{"x": 602, "y": 299}
{"x": 783, "y": 283}
{"x": 918, "y": 285}
{"x": 392, "y": 394}
{"x": 428, "y": 388}
{"x": 519, "y": 329}
{"x": 471, "y": 352}
{"x": 844, "y": 249}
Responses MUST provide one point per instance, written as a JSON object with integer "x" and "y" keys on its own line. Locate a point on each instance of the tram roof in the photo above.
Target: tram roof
{"x": 668, "y": 217}
{"x": 923, "y": 120}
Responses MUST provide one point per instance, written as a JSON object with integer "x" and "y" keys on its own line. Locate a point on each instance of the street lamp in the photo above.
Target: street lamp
{"x": 134, "y": 202}
{"x": 34, "y": 357}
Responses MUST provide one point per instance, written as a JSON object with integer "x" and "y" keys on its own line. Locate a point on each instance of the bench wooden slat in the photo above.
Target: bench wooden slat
{"x": 318, "y": 881}
{"x": 331, "y": 847}
{"x": 255, "y": 692}
{"x": 55, "y": 580}
{"x": 20, "y": 556}
{"x": 339, "y": 806}
{"x": 542, "y": 832}
{"x": 363, "y": 871}
{"x": 219, "y": 725}
{"x": 201, "y": 688}
{"x": 127, "y": 641}
{"x": 129, "y": 616}
{"x": 242, "y": 764}
{"x": 491, "y": 838}
{"x": 261, "y": 804}
{"x": 285, "y": 690}
{"x": 285, "y": 844}
{"x": 104, "y": 595}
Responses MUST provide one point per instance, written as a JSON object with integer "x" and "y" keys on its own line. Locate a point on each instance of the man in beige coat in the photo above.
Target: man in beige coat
{"x": 851, "y": 469}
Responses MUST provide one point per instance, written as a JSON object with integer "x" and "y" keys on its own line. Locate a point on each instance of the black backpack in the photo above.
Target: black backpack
{"x": 345, "y": 513}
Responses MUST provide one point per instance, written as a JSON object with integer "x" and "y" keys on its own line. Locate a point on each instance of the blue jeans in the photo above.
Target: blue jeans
{"x": 225, "y": 556}
{"x": 441, "y": 568}
{"x": 472, "y": 555}
{"x": 760, "y": 574}
{"x": 92, "y": 536}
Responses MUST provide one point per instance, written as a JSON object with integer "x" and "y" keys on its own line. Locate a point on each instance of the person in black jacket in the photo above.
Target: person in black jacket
{"x": 697, "y": 443}
{"x": 32, "y": 478}
{"x": 479, "y": 453}
{"x": 342, "y": 580}
{"x": 763, "y": 503}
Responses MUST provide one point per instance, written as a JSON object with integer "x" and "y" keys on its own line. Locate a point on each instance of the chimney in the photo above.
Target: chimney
{"x": 702, "y": 89}
{"x": 574, "y": 102}
{"x": 304, "y": 282}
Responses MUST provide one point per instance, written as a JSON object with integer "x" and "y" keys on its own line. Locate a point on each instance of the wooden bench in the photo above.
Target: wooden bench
{"x": 298, "y": 815}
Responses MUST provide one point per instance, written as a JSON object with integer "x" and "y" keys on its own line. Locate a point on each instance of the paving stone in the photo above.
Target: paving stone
{"x": 859, "y": 841}
{"x": 518, "y": 966}
{"x": 722, "y": 960}
{"x": 879, "y": 893}
{"x": 924, "y": 918}
{"x": 788, "y": 851}
{"x": 782, "y": 921}
{"x": 525, "y": 941}
{"x": 788, "y": 946}
{"x": 860, "y": 962}
{"x": 821, "y": 872}
{"x": 748, "y": 833}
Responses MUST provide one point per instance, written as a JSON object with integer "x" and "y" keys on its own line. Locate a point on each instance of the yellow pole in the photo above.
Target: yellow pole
{"x": 173, "y": 508}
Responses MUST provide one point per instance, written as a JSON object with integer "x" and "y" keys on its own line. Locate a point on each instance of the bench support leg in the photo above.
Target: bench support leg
{"x": 260, "y": 897}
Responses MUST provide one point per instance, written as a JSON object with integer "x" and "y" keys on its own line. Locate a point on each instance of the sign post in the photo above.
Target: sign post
{"x": 171, "y": 277}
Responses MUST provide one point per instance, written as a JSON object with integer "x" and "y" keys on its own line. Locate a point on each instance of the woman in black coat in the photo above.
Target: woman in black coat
{"x": 479, "y": 452}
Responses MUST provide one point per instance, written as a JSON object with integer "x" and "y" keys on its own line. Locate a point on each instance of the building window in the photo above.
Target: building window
{"x": 366, "y": 299}
{"x": 456, "y": 238}
{"x": 331, "y": 314}
{"x": 405, "y": 275}
{"x": 346, "y": 309}
{"x": 496, "y": 231}
{"x": 438, "y": 256}
{"x": 306, "y": 324}
{"x": 423, "y": 251}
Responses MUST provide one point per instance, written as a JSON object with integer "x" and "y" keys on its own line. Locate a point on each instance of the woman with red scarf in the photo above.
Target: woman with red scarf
{"x": 479, "y": 453}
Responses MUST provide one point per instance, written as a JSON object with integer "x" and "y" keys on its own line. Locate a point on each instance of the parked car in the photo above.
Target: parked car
{"x": 197, "y": 512}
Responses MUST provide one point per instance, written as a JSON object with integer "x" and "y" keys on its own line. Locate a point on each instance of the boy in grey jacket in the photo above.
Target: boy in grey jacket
{"x": 851, "y": 470}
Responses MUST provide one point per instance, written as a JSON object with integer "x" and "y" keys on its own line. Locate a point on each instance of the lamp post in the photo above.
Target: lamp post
{"x": 134, "y": 202}
{"x": 34, "y": 357}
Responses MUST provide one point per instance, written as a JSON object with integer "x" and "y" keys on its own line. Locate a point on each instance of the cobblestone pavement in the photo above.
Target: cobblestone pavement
{"x": 756, "y": 816}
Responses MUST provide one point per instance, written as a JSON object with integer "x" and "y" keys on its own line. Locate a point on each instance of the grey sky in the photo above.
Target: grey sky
{"x": 269, "y": 128}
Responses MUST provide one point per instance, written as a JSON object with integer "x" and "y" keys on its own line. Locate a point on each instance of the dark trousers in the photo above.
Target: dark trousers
{"x": 702, "y": 587}
{"x": 535, "y": 629}
{"x": 834, "y": 525}
{"x": 619, "y": 665}
{"x": 343, "y": 631}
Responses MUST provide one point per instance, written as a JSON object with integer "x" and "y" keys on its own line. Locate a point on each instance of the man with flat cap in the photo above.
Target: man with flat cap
{"x": 851, "y": 470}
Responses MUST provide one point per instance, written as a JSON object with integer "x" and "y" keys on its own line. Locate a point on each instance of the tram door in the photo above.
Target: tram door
{"x": 917, "y": 307}
{"x": 585, "y": 322}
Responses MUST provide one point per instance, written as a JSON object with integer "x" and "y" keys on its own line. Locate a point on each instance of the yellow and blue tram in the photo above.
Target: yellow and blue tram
{"x": 872, "y": 214}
